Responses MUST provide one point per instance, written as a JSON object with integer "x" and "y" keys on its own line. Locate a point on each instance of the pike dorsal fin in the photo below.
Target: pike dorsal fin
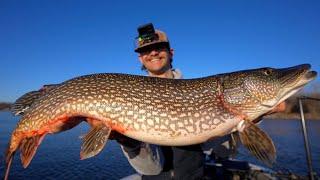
{"x": 258, "y": 143}
{"x": 9, "y": 157}
{"x": 23, "y": 103}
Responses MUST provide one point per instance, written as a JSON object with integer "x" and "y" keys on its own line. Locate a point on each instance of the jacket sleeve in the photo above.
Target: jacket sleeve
{"x": 146, "y": 159}
{"x": 222, "y": 147}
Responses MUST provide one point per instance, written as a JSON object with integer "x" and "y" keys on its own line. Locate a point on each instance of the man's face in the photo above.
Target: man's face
{"x": 156, "y": 59}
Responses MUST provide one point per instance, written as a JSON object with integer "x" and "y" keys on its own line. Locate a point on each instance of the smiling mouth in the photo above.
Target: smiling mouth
{"x": 155, "y": 59}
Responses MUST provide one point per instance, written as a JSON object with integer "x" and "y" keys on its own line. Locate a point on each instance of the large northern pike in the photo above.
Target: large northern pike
{"x": 157, "y": 110}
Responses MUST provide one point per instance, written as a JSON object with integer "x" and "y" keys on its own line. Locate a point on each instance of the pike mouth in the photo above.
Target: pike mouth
{"x": 305, "y": 79}
{"x": 310, "y": 75}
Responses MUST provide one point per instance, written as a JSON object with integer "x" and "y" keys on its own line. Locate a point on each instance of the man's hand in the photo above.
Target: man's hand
{"x": 131, "y": 146}
{"x": 124, "y": 140}
{"x": 279, "y": 108}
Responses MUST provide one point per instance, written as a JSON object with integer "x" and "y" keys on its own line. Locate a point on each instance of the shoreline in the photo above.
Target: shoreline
{"x": 292, "y": 116}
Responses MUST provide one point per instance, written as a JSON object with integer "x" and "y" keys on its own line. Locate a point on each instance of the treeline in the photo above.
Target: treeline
{"x": 5, "y": 106}
{"x": 310, "y": 107}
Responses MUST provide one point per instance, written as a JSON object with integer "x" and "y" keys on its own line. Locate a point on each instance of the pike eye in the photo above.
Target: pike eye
{"x": 267, "y": 72}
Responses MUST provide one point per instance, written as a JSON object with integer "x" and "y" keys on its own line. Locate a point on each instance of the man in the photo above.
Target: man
{"x": 160, "y": 162}
{"x": 164, "y": 162}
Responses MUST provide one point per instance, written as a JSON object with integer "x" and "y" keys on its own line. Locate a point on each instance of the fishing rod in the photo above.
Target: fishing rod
{"x": 312, "y": 174}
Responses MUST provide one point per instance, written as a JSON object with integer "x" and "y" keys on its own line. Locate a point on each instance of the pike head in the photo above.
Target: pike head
{"x": 253, "y": 93}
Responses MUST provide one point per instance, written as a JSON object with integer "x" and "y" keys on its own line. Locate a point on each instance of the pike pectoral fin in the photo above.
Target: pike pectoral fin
{"x": 28, "y": 148}
{"x": 94, "y": 141}
{"x": 258, "y": 143}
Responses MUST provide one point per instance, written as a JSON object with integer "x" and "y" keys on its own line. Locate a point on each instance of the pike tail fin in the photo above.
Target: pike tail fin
{"x": 28, "y": 148}
{"x": 94, "y": 141}
{"x": 258, "y": 143}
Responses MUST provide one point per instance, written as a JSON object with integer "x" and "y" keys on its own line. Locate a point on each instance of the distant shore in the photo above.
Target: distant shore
{"x": 5, "y": 106}
{"x": 291, "y": 116}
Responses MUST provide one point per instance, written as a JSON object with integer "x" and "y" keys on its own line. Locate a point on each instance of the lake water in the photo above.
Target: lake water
{"x": 58, "y": 155}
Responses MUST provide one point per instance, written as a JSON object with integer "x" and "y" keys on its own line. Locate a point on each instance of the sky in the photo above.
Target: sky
{"x": 45, "y": 42}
